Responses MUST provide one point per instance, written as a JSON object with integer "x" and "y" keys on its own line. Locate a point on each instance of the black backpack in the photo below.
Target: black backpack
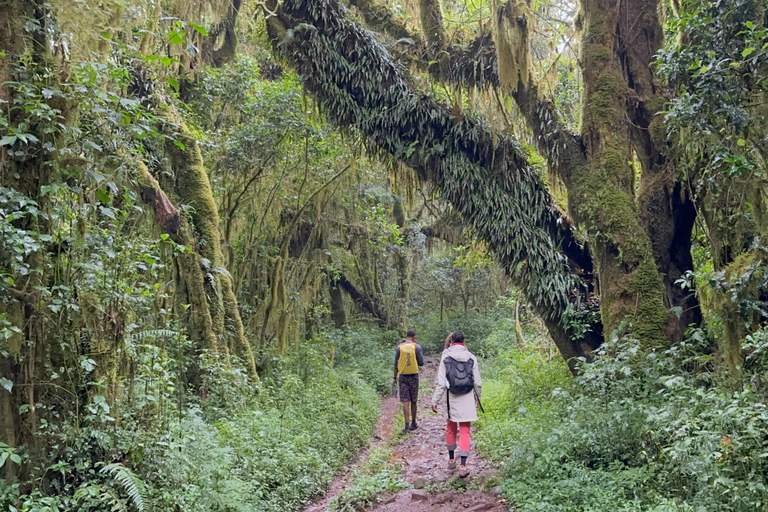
{"x": 460, "y": 375}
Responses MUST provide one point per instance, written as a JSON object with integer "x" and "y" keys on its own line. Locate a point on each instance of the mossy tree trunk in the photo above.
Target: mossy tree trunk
{"x": 601, "y": 193}
{"x": 191, "y": 277}
{"x": 26, "y": 170}
{"x": 402, "y": 295}
{"x": 194, "y": 189}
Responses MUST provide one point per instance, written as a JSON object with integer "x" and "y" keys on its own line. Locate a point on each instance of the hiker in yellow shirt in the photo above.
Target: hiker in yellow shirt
{"x": 408, "y": 358}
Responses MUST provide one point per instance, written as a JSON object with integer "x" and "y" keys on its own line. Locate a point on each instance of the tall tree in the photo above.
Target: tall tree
{"x": 639, "y": 239}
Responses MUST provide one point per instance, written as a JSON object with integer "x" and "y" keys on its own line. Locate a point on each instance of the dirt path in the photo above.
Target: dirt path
{"x": 423, "y": 457}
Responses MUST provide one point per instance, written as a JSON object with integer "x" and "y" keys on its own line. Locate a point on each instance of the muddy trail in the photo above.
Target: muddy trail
{"x": 424, "y": 460}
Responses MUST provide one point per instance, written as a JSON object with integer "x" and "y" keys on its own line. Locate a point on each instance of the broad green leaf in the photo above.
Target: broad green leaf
{"x": 200, "y": 29}
{"x": 175, "y": 37}
{"x": 8, "y": 140}
{"x": 103, "y": 196}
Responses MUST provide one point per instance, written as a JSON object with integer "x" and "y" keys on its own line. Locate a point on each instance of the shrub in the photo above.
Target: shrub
{"x": 366, "y": 351}
{"x": 269, "y": 448}
{"x": 633, "y": 432}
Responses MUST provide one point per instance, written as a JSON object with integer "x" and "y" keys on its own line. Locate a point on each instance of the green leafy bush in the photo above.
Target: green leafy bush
{"x": 476, "y": 326}
{"x": 271, "y": 447}
{"x": 634, "y": 431}
{"x": 367, "y": 352}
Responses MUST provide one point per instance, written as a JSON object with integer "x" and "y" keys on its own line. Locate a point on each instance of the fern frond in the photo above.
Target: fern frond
{"x": 129, "y": 481}
{"x": 117, "y": 503}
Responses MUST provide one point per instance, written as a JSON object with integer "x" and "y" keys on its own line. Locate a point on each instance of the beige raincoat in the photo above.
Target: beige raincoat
{"x": 463, "y": 407}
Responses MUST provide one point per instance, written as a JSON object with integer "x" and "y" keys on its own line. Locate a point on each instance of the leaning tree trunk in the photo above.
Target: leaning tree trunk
{"x": 664, "y": 203}
{"x": 485, "y": 177}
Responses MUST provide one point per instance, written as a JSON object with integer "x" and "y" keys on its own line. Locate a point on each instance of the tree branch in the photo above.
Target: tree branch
{"x": 485, "y": 177}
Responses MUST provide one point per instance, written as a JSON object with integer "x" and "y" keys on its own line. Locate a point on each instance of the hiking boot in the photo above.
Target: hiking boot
{"x": 414, "y": 425}
{"x": 406, "y": 429}
{"x": 451, "y": 464}
{"x": 463, "y": 472}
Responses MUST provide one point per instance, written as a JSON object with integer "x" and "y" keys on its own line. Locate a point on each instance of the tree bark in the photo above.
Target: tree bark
{"x": 194, "y": 189}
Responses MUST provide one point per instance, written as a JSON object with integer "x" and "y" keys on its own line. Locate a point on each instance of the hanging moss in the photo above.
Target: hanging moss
{"x": 194, "y": 189}
{"x": 510, "y": 33}
{"x": 486, "y": 177}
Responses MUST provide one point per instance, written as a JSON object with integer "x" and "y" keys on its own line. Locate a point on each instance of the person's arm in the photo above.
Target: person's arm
{"x": 478, "y": 382}
{"x": 397, "y": 358}
{"x": 440, "y": 387}
{"x": 419, "y": 355}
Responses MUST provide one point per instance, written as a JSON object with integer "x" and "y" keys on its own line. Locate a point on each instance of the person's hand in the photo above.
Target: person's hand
{"x": 477, "y": 405}
{"x": 434, "y": 408}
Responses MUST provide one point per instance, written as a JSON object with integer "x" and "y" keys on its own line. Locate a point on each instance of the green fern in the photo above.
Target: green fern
{"x": 126, "y": 478}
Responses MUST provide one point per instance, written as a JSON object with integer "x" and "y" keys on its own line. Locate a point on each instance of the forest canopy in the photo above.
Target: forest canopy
{"x": 209, "y": 208}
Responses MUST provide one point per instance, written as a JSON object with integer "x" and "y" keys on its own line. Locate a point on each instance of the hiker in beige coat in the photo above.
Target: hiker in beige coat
{"x": 458, "y": 410}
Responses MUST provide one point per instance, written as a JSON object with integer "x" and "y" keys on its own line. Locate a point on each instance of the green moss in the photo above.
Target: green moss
{"x": 194, "y": 189}
{"x": 649, "y": 318}
{"x": 606, "y": 100}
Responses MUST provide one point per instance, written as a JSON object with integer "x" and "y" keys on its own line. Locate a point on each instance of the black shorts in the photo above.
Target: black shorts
{"x": 409, "y": 387}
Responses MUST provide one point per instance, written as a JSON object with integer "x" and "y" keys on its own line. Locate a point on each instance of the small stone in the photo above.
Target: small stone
{"x": 443, "y": 497}
{"x": 391, "y": 499}
{"x": 420, "y": 483}
{"x": 496, "y": 490}
{"x": 419, "y": 495}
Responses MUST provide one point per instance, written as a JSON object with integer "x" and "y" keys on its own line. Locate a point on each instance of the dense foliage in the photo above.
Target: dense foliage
{"x": 635, "y": 431}
{"x": 217, "y": 219}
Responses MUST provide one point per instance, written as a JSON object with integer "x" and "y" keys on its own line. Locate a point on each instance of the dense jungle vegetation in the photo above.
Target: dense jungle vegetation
{"x": 218, "y": 217}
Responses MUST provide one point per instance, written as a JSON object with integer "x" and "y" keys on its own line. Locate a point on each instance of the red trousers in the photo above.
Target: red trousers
{"x": 451, "y": 428}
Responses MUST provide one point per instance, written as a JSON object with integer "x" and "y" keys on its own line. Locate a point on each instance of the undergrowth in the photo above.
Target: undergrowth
{"x": 244, "y": 447}
{"x": 649, "y": 432}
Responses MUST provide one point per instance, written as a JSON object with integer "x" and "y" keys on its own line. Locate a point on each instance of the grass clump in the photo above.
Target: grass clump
{"x": 374, "y": 477}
